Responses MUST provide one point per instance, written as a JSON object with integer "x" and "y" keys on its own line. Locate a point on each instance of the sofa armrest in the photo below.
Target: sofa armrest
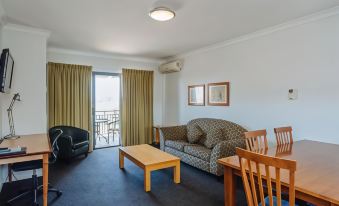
{"x": 172, "y": 133}
{"x": 224, "y": 149}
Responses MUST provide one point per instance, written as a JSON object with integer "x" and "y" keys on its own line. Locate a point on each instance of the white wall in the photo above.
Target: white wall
{"x": 115, "y": 65}
{"x": 28, "y": 49}
{"x": 260, "y": 71}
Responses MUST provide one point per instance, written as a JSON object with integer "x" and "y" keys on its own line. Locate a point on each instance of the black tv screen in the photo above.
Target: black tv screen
{"x": 6, "y": 71}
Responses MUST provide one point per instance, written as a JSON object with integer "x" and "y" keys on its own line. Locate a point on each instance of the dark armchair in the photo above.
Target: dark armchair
{"x": 73, "y": 142}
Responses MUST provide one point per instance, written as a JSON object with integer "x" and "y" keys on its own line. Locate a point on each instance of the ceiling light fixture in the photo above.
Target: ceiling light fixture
{"x": 162, "y": 14}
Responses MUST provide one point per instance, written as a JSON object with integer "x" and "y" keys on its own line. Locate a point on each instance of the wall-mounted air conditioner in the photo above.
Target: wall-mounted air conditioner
{"x": 170, "y": 67}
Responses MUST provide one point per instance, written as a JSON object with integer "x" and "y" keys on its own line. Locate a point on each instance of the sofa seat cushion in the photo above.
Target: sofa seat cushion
{"x": 176, "y": 144}
{"x": 198, "y": 151}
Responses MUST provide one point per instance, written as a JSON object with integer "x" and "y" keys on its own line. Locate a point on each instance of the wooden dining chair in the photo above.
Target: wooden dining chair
{"x": 256, "y": 141}
{"x": 253, "y": 164}
{"x": 283, "y": 135}
{"x": 283, "y": 150}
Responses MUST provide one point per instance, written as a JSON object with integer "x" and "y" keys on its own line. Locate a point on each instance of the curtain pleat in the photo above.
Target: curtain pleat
{"x": 137, "y": 107}
{"x": 69, "y": 96}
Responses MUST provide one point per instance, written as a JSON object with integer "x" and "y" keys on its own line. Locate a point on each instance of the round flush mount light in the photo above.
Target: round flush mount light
{"x": 162, "y": 14}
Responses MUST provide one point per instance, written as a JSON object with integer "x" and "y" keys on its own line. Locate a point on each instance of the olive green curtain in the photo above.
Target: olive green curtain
{"x": 69, "y": 96}
{"x": 137, "y": 107}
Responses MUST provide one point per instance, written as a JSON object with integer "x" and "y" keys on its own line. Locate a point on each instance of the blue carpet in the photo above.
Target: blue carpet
{"x": 98, "y": 181}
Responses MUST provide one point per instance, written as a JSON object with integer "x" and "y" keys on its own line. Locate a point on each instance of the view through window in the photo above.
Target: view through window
{"x": 107, "y": 110}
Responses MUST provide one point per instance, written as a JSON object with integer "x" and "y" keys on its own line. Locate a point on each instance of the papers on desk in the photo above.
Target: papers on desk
{"x": 12, "y": 151}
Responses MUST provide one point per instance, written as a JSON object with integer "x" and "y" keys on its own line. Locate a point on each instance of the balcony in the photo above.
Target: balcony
{"x": 107, "y": 128}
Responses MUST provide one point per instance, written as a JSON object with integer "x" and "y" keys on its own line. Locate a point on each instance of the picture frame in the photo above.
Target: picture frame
{"x": 219, "y": 94}
{"x": 196, "y": 95}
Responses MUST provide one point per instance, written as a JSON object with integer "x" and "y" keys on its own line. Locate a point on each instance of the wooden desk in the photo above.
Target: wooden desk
{"x": 38, "y": 148}
{"x": 316, "y": 178}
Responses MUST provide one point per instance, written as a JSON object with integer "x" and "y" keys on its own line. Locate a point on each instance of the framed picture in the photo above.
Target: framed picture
{"x": 196, "y": 95}
{"x": 219, "y": 94}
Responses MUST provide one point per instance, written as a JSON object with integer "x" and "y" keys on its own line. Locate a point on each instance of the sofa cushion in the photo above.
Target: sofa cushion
{"x": 176, "y": 144}
{"x": 230, "y": 129}
{"x": 213, "y": 137}
{"x": 194, "y": 133}
{"x": 198, "y": 151}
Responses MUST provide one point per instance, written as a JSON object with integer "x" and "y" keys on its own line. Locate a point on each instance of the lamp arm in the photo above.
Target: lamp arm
{"x": 11, "y": 105}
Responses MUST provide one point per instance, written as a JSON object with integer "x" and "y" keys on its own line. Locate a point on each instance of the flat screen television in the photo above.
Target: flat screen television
{"x": 6, "y": 71}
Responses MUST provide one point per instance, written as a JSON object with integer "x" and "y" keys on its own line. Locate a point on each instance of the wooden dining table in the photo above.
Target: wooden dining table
{"x": 316, "y": 177}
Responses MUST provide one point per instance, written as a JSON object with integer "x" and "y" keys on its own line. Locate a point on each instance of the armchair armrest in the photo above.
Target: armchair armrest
{"x": 172, "y": 133}
{"x": 224, "y": 149}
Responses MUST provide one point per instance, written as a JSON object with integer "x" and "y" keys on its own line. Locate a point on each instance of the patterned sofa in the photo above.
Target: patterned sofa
{"x": 202, "y": 142}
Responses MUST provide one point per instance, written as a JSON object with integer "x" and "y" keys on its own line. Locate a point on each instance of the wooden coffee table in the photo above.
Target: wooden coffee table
{"x": 149, "y": 159}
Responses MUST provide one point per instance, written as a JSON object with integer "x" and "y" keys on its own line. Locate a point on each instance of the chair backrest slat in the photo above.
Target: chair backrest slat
{"x": 261, "y": 188}
{"x": 256, "y": 140}
{"x": 269, "y": 184}
{"x": 247, "y": 159}
{"x": 253, "y": 188}
{"x": 283, "y": 135}
{"x": 278, "y": 185}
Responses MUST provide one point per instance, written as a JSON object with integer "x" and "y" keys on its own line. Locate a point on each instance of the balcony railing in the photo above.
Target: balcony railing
{"x": 107, "y": 128}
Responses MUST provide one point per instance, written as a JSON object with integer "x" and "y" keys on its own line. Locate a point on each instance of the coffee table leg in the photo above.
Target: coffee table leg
{"x": 177, "y": 173}
{"x": 121, "y": 159}
{"x": 147, "y": 180}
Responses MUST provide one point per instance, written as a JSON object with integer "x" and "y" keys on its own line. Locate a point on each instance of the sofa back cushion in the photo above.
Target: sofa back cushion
{"x": 194, "y": 133}
{"x": 212, "y": 127}
{"x": 213, "y": 137}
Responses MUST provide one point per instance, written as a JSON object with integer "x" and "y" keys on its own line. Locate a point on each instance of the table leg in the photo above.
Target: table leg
{"x": 45, "y": 178}
{"x": 229, "y": 186}
{"x": 176, "y": 173}
{"x": 147, "y": 180}
{"x": 121, "y": 159}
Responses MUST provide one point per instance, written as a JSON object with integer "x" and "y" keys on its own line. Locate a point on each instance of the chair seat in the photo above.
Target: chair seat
{"x": 283, "y": 202}
{"x": 30, "y": 165}
{"x": 177, "y": 144}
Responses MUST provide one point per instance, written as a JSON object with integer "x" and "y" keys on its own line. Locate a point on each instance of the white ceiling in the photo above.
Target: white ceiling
{"x": 124, "y": 27}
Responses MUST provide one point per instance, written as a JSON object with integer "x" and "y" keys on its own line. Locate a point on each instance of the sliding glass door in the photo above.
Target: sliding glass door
{"x": 106, "y": 109}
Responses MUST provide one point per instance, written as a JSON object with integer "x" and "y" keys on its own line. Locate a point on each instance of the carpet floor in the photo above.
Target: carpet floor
{"x": 98, "y": 181}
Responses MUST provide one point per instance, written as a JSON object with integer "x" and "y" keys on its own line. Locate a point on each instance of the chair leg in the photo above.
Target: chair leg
{"x": 34, "y": 191}
{"x": 58, "y": 192}
{"x": 19, "y": 197}
{"x": 10, "y": 173}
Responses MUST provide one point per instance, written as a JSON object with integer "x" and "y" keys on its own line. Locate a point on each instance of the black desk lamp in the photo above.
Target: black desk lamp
{"x": 10, "y": 118}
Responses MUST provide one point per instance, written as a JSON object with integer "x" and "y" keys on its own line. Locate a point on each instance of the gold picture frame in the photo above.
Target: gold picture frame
{"x": 219, "y": 94}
